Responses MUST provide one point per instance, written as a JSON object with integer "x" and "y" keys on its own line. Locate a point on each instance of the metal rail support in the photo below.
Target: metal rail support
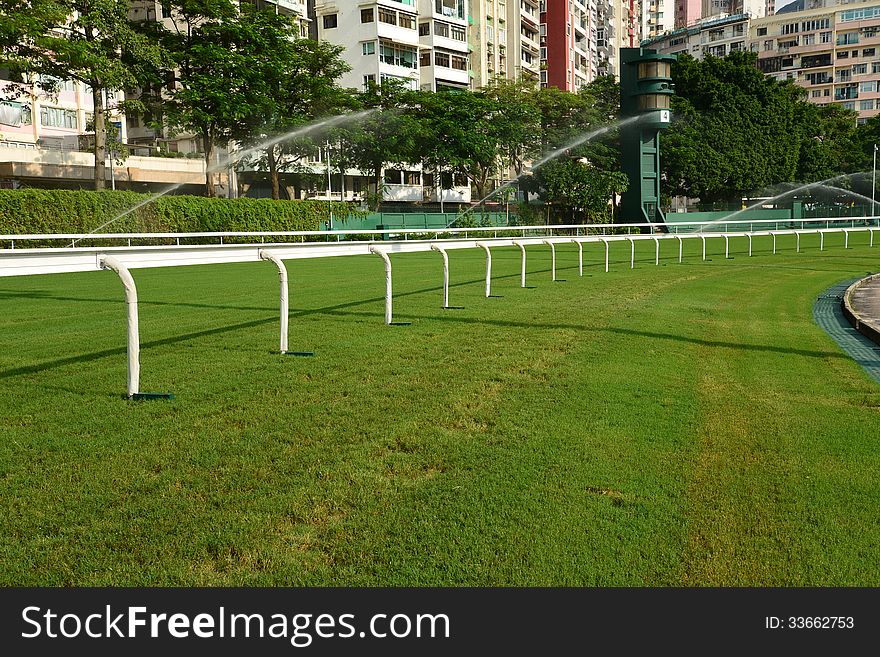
{"x": 656, "y": 250}
{"x": 726, "y": 246}
{"x": 552, "y": 259}
{"x": 821, "y": 240}
{"x": 442, "y": 252}
{"x": 580, "y": 247}
{"x": 798, "y": 236}
{"x": 522, "y": 276}
{"x": 632, "y": 253}
{"x": 131, "y": 301}
{"x": 282, "y": 277}
{"x": 774, "y": 243}
{"x": 387, "y": 261}
{"x": 750, "y": 244}
{"x": 606, "y": 253}
{"x": 488, "y": 268}
{"x": 703, "y": 237}
{"x": 680, "y": 248}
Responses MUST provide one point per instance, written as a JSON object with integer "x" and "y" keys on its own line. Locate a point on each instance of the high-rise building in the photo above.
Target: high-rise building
{"x": 443, "y": 45}
{"x": 569, "y": 50}
{"x": 687, "y": 12}
{"x": 505, "y": 41}
{"x": 658, "y": 17}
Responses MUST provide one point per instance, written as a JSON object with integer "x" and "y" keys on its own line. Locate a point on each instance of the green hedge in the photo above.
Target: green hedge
{"x": 30, "y": 211}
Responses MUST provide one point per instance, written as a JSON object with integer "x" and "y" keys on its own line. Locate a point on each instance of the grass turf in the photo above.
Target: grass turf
{"x": 673, "y": 425}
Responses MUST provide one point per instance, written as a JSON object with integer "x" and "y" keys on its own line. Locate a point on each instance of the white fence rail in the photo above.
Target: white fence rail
{"x": 122, "y": 259}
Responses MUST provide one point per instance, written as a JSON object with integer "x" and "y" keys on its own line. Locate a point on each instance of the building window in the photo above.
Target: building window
{"x": 825, "y": 37}
{"x": 850, "y": 105}
{"x": 55, "y": 117}
{"x": 387, "y": 16}
{"x": 868, "y": 87}
{"x": 459, "y": 33}
{"x": 875, "y": 67}
{"x": 859, "y": 69}
{"x": 329, "y": 21}
{"x": 843, "y": 54}
{"x": 451, "y": 8}
{"x": 424, "y": 29}
{"x": 459, "y": 63}
{"x": 398, "y": 55}
{"x": 847, "y": 38}
{"x": 412, "y": 178}
{"x": 425, "y": 58}
{"x": 816, "y": 93}
{"x": 868, "y": 52}
{"x": 367, "y": 15}
{"x": 369, "y": 47}
{"x": 406, "y": 21}
{"x": 393, "y": 176}
{"x": 442, "y": 29}
{"x": 441, "y": 59}
{"x": 369, "y": 80}
{"x": 866, "y": 104}
{"x": 809, "y": 39}
{"x": 762, "y": 31}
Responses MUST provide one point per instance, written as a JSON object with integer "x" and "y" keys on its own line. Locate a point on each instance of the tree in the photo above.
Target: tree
{"x": 90, "y": 41}
{"x": 388, "y": 134}
{"x": 578, "y": 190}
{"x": 223, "y": 63}
{"x": 300, "y": 83}
{"x": 734, "y": 130}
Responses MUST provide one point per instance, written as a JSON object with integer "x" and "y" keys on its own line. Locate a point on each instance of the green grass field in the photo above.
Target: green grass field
{"x": 673, "y": 425}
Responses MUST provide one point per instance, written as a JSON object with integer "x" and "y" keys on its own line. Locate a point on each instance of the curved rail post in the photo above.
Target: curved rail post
{"x": 552, "y": 259}
{"x": 282, "y": 277}
{"x": 726, "y": 246}
{"x": 522, "y": 276}
{"x": 871, "y": 241}
{"x": 632, "y": 253}
{"x": 656, "y": 250}
{"x": 821, "y": 240}
{"x": 798, "y": 236}
{"x": 750, "y": 244}
{"x": 580, "y": 246}
{"x": 703, "y": 237}
{"x": 774, "y": 243}
{"x": 387, "y": 261}
{"x": 442, "y": 252}
{"x": 606, "y": 253}
{"x": 488, "y": 268}
{"x": 680, "y": 248}
{"x": 845, "y": 238}
{"x": 131, "y": 301}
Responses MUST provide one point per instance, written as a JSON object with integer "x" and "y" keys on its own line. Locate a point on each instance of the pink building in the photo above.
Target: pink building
{"x": 687, "y": 12}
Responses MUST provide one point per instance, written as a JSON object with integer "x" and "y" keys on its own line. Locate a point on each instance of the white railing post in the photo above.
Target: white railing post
{"x": 750, "y": 244}
{"x": 282, "y": 277}
{"x": 798, "y": 236}
{"x": 488, "y": 268}
{"x": 131, "y": 301}
{"x": 871, "y": 242}
{"x": 703, "y": 237}
{"x": 845, "y": 238}
{"x": 726, "y": 246}
{"x": 580, "y": 247}
{"x": 387, "y": 261}
{"x": 632, "y": 253}
{"x": 522, "y": 276}
{"x": 442, "y": 252}
{"x": 680, "y": 248}
{"x": 821, "y": 240}
{"x": 606, "y": 253}
{"x": 774, "y": 243}
{"x": 552, "y": 259}
{"x": 657, "y": 251}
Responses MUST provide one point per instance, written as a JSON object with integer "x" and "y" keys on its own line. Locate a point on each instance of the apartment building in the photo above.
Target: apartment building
{"x": 569, "y": 48}
{"x": 832, "y": 52}
{"x": 717, "y": 37}
{"x": 504, "y": 37}
{"x": 443, "y": 45}
{"x": 620, "y": 27}
{"x": 657, "y": 17}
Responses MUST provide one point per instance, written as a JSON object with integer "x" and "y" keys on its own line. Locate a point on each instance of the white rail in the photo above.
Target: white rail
{"x": 122, "y": 259}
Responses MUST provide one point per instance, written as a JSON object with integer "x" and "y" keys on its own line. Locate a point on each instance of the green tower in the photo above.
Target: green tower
{"x": 645, "y": 90}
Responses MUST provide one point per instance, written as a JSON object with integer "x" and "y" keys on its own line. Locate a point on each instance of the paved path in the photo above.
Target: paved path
{"x": 865, "y": 302}
{"x": 828, "y": 313}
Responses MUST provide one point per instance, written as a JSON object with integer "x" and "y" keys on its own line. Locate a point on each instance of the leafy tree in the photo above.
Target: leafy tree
{"x": 91, "y": 41}
{"x": 515, "y": 120}
{"x": 224, "y": 62}
{"x": 300, "y": 87}
{"x": 732, "y": 130}
{"x": 578, "y": 191}
{"x": 388, "y": 134}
